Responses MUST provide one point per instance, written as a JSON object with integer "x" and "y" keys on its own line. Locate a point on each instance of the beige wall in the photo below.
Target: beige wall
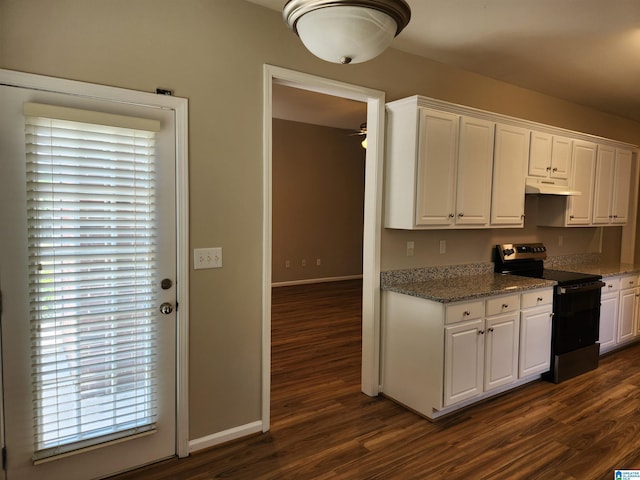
{"x": 213, "y": 52}
{"x": 318, "y": 201}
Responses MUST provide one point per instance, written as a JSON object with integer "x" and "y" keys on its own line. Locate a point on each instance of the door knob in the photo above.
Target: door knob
{"x": 166, "y": 308}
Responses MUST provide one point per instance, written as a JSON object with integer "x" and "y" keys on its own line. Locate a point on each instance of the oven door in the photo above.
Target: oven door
{"x": 576, "y": 320}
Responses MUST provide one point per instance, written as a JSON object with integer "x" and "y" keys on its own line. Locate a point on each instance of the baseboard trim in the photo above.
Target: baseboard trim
{"x": 224, "y": 436}
{"x": 315, "y": 280}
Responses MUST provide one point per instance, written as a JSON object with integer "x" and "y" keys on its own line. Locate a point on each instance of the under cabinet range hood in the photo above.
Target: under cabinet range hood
{"x": 548, "y": 187}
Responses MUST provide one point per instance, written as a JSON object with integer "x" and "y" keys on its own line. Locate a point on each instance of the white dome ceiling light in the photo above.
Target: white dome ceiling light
{"x": 346, "y": 31}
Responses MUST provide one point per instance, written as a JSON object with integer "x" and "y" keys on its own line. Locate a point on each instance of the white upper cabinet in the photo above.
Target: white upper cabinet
{"x": 603, "y": 192}
{"x": 439, "y": 167}
{"x": 622, "y": 186}
{"x": 580, "y": 207}
{"x": 509, "y": 172}
{"x": 475, "y": 159}
{"x": 437, "y": 155}
{"x": 448, "y": 166}
{"x": 550, "y": 156}
{"x": 612, "y": 186}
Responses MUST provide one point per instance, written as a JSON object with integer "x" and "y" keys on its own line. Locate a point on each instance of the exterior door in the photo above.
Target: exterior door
{"x": 89, "y": 368}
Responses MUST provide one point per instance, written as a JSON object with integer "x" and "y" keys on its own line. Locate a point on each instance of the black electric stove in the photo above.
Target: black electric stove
{"x": 576, "y": 307}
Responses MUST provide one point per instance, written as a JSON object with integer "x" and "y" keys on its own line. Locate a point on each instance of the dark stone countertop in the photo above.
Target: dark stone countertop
{"x": 455, "y": 289}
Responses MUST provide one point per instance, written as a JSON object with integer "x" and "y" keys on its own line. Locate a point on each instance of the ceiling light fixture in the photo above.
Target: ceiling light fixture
{"x": 346, "y": 31}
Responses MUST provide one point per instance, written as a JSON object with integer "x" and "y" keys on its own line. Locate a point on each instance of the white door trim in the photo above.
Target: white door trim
{"x": 180, "y": 108}
{"x": 372, "y": 221}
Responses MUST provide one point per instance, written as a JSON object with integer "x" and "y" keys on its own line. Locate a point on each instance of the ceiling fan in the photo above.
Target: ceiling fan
{"x": 362, "y": 131}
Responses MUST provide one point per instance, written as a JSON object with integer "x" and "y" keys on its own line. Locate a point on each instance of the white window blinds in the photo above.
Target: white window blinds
{"x": 92, "y": 260}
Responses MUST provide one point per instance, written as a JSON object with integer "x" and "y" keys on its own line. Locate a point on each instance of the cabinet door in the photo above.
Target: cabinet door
{"x": 627, "y": 317}
{"x": 561, "y": 157}
{"x": 475, "y": 162}
{"x": 463, "y": 361}
{"x": 535, "y": 341}
{"x": 509, "y": 172}
{"x": 580, "y": 207}
{"x": 621, "y": 186}
{"x": 603, "y": 191}
{"x": 540, "y": 154}
{"x": 608, "y": 321}
{"x": 437, "y": 155}
{"x": 501, "y": 350}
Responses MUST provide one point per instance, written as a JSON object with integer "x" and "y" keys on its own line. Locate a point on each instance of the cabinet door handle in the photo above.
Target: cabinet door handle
{"x": 555, "y": 170}
{"x": 490, "y": 329}
{"x": 539, "y": 299}
{"x": 548, "y": 169}
{"x": 451, "y": 215}
{"x": 571, "y": 217}
{"x": 480, "y": 332}
{"x": 461, "y": 214}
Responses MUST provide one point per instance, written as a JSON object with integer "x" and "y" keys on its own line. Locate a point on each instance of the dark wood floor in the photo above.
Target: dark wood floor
{"x": 324, "y": 428}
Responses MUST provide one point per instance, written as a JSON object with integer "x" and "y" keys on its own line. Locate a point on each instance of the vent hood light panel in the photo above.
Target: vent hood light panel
{"x": 548, "y": 187}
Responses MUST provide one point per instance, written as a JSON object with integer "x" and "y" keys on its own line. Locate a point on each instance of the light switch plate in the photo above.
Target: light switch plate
{"x": 207, "y": 258}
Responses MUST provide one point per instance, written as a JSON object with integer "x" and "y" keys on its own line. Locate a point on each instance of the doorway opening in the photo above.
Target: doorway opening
{"x": 370, "y": 326}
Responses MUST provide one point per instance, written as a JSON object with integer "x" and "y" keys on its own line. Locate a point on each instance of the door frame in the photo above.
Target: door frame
{"x": 375, "y": 100}
{"x": 180, "y": 108}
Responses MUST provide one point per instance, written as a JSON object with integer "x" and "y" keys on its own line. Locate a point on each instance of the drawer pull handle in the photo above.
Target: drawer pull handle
{"x": 505, "y": 305}
{"x": 539, "y": 299}
{"x": 466, "y": 313}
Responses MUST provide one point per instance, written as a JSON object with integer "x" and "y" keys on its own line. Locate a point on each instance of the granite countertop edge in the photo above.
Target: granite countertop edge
{"x": 468, "y": 282}
{"x": 604, "y": 269}
{"x": 456, "y": 289}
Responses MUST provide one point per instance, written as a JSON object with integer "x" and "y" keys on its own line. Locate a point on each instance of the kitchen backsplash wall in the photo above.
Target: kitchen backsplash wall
{"x": 475, "y": 246}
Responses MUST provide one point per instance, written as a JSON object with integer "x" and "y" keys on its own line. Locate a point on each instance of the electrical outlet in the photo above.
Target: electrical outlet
{"x": 287, "y": 264}
{"x": 410, "y": 249}
{"x": 303, "y": 262}
{"x": 207, "y": 258}
{"x": 318, "y": 262}
{"x": 443, "y": 246}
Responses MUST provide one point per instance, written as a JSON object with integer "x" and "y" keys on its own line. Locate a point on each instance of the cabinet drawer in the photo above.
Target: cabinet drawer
{"x": 508, "y": 303}
{"x": 611, "y": 285}
{"x": 464, "y": 311}
{"x": 537, "y": 297}
{"x": 629, "y": 282}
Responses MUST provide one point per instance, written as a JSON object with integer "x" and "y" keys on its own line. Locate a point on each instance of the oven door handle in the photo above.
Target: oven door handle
{"x": 581, "y": 288}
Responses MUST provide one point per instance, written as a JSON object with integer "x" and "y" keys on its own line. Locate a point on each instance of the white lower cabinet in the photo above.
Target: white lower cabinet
{"x": 628, "y": 310}
{"x": 482, "y": 354}
{"x": 463, "y": 361}
{"x": 609, "y": 314}
{"x": 535, "y": 340}
{"x": 437, "y": 357}
{"x": 501, "y": 350}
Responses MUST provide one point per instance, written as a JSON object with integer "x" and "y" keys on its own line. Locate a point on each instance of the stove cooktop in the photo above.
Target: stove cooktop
{"x": 568, "y": 278}
{"x": 527, "y": 260}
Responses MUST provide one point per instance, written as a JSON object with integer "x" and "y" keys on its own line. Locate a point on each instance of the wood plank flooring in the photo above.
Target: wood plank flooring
{"x": 324, "y": 428}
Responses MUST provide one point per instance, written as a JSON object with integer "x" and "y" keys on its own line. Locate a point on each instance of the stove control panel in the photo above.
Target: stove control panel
{"x": 521, "y": 251}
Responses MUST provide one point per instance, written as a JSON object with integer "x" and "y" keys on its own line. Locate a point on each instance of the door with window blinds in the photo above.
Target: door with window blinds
{"x": 88, "y": 236}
